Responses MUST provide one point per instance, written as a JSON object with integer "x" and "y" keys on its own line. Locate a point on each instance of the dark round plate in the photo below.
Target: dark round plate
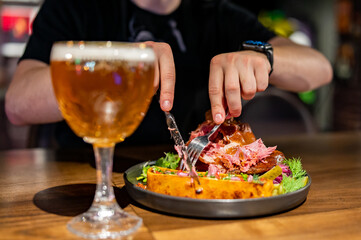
{"x": 212, "y": 208}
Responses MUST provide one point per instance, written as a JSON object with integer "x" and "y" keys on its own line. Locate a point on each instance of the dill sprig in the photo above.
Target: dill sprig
{"x": 298, "y": 179}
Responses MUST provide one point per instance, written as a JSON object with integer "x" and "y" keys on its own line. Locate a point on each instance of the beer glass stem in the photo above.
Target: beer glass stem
{"x": 104, "y": 219}
{"x": 104, "y": 194}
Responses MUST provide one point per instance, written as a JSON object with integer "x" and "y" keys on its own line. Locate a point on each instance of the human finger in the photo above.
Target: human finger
{"x": 232, "y": 91}
{"x": 262, "y": 79}
{"x": 156, "y": 82}
{"x": 166, "y": 75}
{"x": 156, "y": 76}
{"x": 247, "y": 80}
{"x": 215, "y": 89}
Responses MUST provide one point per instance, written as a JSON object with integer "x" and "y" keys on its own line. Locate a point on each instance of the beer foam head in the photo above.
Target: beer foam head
{"x": 109, "y": 51}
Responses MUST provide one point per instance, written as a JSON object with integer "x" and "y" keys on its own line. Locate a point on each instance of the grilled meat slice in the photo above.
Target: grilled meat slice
{"x": 234, "y": 148}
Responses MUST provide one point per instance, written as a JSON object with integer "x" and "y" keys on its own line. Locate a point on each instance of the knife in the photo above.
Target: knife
{"x": 177, "y": 137}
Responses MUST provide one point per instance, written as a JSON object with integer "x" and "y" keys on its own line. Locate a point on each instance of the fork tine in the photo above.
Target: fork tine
{"x": 197, "y": 145}
{"x": 192, "y": 160}
{"x": 193, "y": 151}
{"x": 194, "y": 156}
{"x": 191, "y": 154}
{"x": 190, "y": 149}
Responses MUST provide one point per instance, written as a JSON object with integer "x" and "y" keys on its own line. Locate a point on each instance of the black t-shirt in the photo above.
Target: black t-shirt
{"x": 196, "y": 32}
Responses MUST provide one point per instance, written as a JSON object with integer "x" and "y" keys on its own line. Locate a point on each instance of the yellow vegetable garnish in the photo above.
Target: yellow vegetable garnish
{"x": 272, "y": 174}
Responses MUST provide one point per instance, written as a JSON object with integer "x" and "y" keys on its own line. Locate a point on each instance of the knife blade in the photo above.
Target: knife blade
{"x": 177, "y": 137}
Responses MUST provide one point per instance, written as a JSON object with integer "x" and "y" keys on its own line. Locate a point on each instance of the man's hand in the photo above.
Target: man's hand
{"x": 241, "y": 74}
{"x": 234, "y": 76}
{"x": 164, "y": 74}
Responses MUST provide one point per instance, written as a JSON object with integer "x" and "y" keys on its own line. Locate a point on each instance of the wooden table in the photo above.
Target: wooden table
{"x": 40, "y": 190}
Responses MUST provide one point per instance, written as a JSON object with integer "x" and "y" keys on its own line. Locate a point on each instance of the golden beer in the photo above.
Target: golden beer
{"x": 103, "y": 90}
{"x": 103, "y": 97}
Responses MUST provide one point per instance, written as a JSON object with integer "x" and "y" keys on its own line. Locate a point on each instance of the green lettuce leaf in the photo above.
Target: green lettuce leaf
{"x": 290, "y": 184}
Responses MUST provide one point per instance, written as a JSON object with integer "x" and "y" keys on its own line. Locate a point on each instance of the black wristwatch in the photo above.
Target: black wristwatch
{"x": 262, "y": 47}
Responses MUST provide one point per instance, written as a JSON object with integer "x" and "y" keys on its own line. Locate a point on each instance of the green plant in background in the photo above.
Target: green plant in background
{"x": 277, "y": 22}
{"x": 308, "y": 97}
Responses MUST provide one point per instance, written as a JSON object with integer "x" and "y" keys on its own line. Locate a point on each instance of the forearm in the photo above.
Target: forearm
{"x": 298, "y": 68}
{"x": 30, "y": 98}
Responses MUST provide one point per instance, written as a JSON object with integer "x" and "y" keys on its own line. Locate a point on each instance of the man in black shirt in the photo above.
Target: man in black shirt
{"x": 196, "y": 41}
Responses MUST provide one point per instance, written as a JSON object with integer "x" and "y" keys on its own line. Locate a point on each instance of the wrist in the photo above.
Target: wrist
{"x": 259, "y": 46}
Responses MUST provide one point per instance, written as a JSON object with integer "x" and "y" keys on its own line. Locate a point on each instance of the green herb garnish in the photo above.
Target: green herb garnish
{"x": 296, "y": 168}
{"x": 170, "y": 160}
{"x": 297, "y": 179}
{"x": 255, "y": 177}
{"x": 143, "y": 175}
{"x": 244, "y": 176}
{"x": 228, "y": 177}
{"x": 156, "y": 169}
{"x": 290, "y": 184}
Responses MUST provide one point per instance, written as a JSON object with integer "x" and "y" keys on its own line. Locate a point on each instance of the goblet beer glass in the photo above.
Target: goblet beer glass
{"x": 103, "y": 90}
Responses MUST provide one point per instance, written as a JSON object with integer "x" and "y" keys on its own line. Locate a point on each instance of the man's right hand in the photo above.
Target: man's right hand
{"x": 164, "y": 74}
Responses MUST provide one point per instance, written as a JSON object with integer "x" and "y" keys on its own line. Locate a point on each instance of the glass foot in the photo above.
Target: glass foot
{"x": 104, "y": 222}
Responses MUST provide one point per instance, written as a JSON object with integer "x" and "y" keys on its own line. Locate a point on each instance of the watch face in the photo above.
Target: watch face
{"x": 258, "y": 45}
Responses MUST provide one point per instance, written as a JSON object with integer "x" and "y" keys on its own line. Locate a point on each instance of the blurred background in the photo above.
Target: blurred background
{"x": 331, "y": 26}
{"x": 15, "y": 27}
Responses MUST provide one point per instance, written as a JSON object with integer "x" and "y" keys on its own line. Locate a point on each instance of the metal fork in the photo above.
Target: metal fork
{"x": 197, "y": 145}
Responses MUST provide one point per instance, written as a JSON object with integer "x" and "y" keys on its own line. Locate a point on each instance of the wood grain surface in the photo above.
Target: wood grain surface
{"x": 40, "y": 190}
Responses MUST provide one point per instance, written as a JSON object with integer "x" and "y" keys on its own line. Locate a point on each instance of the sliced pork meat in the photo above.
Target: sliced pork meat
{"x": 235, "y": 149}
